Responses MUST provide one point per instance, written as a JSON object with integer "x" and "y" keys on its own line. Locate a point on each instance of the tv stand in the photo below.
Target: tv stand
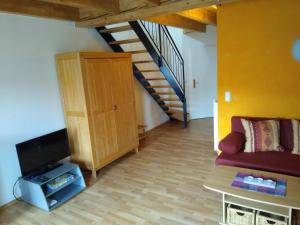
{"x": 35, "y": 189}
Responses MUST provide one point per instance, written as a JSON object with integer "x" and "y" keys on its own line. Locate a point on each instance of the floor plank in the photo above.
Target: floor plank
{"x": 162, "y": 184}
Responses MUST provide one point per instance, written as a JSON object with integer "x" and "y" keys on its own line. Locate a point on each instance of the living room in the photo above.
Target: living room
{"x": 175, "y": 177}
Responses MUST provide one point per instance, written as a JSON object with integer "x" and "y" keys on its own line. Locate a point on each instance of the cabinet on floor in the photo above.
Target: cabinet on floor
{"x": 97, "y": 92}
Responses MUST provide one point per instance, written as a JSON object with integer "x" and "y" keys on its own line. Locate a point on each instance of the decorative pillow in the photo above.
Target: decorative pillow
{"x": 296, "y": 137}
{"x": 261, "y": 135}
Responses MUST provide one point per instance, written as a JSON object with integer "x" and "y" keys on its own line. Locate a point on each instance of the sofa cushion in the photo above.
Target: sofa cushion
{"x": 296, "y": 137}
{"x": 232, "y": 143}
{"x": 261, "y": 136}
{"x": 237, "y": 126}
{"x": 286, "y": 129}
{"x": 286, "y": 134}
{"x": 280, "y": 162}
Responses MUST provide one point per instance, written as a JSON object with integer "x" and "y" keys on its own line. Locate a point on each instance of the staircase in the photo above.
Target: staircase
{"x": 157, "y": 63}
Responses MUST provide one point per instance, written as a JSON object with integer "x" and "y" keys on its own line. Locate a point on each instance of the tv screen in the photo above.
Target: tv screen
{"x": 39, "y": 152}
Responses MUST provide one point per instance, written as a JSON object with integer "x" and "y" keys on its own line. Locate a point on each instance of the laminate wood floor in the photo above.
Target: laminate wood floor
{"x": 162, "y": 184}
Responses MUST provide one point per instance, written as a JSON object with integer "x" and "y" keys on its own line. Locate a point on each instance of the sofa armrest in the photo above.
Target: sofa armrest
{"x": 232, "y": 143}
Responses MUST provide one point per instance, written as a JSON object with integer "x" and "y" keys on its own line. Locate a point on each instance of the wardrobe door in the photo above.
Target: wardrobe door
{"x": 99, "y": 84}
{"x": 123, "y": 94}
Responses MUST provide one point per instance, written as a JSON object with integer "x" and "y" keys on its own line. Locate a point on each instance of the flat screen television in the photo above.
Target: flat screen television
{"x": 38, "y": 153}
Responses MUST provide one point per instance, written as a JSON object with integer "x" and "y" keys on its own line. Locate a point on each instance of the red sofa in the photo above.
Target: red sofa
{"x": 284, "y": 162}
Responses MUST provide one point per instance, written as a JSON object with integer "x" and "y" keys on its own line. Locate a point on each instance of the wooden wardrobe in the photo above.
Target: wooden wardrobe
{"x": 97, "y": 92}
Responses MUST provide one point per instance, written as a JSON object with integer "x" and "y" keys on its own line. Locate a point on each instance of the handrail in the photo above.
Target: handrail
{"x": 171, "y": 39}
{"x": 167, "y": 49}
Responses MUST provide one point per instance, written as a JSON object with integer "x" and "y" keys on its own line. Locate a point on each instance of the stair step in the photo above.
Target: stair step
{"x": 170, "y": 112}
{"x": 164, "y": 93}
{"x": 170, "y": 99}
{"x": 164, "y": 106}
{"x": 148, "y": 71}
{"x": 116, "y": 29}
{"x": 178, "y": 115}
{"x": 156, "y": 78}
{"x": 174, "y": 105}
{"x": 143, "y": 61}
{"x": 127, "y": 41}
{"x": 138, "y": 51}
{"x": 158, "y": 86}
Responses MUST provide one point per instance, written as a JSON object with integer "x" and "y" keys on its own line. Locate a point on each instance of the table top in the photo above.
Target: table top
{"x": 221, "y": 177}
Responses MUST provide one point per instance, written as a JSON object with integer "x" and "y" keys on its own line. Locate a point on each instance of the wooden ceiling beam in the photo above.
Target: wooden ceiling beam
{"x": 175, "y": 20}
{"x": 151, "y": 2}
{"x": 112, "y": 6}
{"x": 206, "y": 15}
{"x": 41, "y": 9}
{"x": 164, "y": 8}
{"x": 86, "y": 13}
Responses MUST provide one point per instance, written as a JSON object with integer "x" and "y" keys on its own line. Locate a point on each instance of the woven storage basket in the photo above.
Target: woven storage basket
{"x": 269, "y": 219}
{"x": 237, "y": 215}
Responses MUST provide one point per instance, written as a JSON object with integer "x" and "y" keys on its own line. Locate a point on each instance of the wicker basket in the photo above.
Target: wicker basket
{"x": 237, "y": 215}
{"x": 263, "y": 218}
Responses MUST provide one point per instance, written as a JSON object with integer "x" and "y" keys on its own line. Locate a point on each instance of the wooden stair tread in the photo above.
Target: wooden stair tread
{"x": 159, "y": 86}
{"x": 148, "y": 71}
{"x": 164, "y": 93}
{"x": 116, "y": 29}
{"x": 156, "y": 78}
{"x": 179, "y": 115}
{"x": 169, "y": 111}
{"x": 137, "y": 51}
{"x": 170, "y": 99}
{"x": 127, "y": 41}
{"x": 143, "y": 61}
{"x": 174, "y": 105}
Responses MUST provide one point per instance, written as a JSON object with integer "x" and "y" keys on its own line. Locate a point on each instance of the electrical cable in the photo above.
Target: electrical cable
{"x": 14, "y": 187}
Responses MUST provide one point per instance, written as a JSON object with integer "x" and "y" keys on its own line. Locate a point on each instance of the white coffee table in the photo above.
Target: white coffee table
{"x": 220, "y": 179}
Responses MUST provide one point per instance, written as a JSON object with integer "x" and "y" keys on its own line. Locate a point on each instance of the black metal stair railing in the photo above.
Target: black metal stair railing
{"x": 161, "y": 46}
{"x": 167, "y": 49}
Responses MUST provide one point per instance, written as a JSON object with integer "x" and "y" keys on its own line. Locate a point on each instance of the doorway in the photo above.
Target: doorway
{"x": 200, "y": 55}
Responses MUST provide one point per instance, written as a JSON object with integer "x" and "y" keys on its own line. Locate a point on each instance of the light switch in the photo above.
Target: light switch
{"x": 227, "y": 96}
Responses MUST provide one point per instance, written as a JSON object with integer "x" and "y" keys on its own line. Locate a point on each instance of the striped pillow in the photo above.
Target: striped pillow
{"x": 296, "y": 136}
{"x": 261, "y": 135}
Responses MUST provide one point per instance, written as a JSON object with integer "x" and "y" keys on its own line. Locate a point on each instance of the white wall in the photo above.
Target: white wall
{"x": 146, "y": 106}
{"x": 200, "y": 56}
{"x": 29, "y": 95}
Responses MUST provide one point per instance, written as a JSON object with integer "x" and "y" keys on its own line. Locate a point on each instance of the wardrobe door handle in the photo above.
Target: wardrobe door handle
{"x": 115, "y": 107}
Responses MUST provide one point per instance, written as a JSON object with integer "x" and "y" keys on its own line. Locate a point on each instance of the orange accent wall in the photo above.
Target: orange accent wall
{"x": 255, "y": 63}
